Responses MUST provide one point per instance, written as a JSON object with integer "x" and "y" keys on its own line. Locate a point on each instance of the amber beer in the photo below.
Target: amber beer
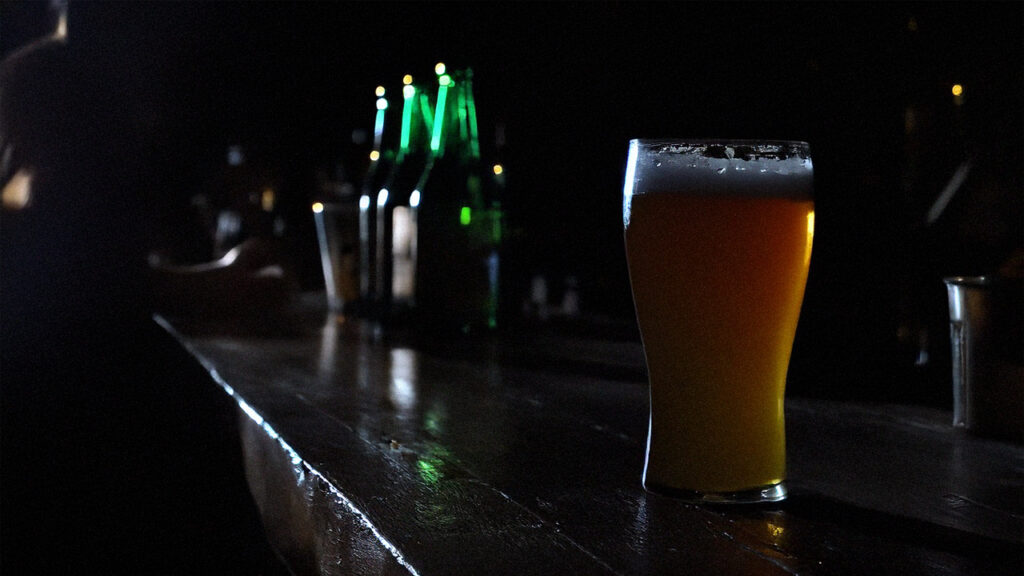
{"x": 718, "y": 238}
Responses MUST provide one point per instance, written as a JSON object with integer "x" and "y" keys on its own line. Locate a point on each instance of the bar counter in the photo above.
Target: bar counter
{"x": 372, "y": 453}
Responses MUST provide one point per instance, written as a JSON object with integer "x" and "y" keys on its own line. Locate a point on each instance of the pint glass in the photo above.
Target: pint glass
{"x": 718, "y": 238}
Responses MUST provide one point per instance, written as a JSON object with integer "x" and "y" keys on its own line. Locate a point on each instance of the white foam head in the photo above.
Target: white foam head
{"x": 739, "y": 168}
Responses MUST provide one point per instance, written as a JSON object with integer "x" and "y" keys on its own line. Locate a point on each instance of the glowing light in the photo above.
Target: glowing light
{"x": 407, "y": 79}
{"x": 403, "y": 278}
{"x": 403, "y": 375}
{"x": 958, "y": 90}
{"x": 465, "y": 216}
{"x": 382, "y": 103}
{"x": 382, "y": 197}
{"x": 375, "y": 155}
{"x": 364, "y": 202}
{"x": 445, "y": 80}
{"x": 439, "y": 68}
{"x": 267, "y": 199}
{"x": 432, "y": 422}
{"x": 62, "y": 25}
{"x": 18, "y": 190}
{"x": 627, "y": 189}
{"x": 498, "y": 169}
{"x": 414, "y": 199}
{"x": 407, "y": 105}
{"x": 236, "y": 157}
{"x": 460, "y": 107}
{"x": 429, "y": 472}
{"x": 810, "y": 237}
{"x": 402, "y": 393}
{"x": 378, "y": 127}
{"x": 442, "y": 97}
{"x": 318, "y": 207}
{"x": 379, "y": 91}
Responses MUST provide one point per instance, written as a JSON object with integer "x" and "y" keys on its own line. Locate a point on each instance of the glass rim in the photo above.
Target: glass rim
{"x": 698, "y": 141}
{"x": 970, "y": 281}
{"x": 725, "y": 148}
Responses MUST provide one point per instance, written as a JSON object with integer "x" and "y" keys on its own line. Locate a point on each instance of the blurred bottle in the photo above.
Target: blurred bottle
{"x": 396, "y": 226}
{"x": 440, "y": 223}
{"x": 382, "y": 158}
{"x": 460, "y": 218}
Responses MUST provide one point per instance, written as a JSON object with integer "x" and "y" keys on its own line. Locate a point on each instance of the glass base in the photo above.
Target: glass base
{"x": 759, "y": 495}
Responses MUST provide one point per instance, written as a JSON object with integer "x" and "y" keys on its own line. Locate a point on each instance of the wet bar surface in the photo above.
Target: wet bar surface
{"x": 372, "y": 454}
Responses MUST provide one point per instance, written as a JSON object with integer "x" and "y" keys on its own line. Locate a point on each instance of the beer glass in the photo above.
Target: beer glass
{"x": 718, "y": 237}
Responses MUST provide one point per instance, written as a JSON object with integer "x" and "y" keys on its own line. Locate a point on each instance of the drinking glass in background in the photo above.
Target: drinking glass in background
{"x": 337, "y": 232}
{"x": 718, "y": 237}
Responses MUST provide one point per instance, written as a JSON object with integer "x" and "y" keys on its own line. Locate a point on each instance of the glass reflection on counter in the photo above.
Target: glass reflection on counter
{"x": 403, "y": 379}
{"x": 329, "y": 345}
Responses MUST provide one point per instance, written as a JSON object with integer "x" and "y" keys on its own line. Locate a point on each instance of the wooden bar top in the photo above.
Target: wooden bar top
{"x": 372, "y": 454}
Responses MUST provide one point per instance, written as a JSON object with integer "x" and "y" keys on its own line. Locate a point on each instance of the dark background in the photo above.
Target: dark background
{"x": 867, "y": 84}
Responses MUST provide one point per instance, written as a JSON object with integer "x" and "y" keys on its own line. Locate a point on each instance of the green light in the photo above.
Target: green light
{"x": 429, "y": 471}
{"x": 442, "y": 95}
{"x": 432, "y": 422}
{"x": 463, "y": 129}
{"x": 445, "y": 80}
{"x": 408, "y": 92}
{"x": 465, "y": 216}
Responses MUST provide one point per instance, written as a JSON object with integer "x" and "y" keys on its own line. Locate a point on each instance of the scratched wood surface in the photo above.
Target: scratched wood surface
{"x": 382, "y": 455}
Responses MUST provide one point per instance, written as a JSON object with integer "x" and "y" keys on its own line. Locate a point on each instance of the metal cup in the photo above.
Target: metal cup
{"x": 988, "y": 355}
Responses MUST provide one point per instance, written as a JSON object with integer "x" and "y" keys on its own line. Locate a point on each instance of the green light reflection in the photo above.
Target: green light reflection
{"x": 429, "y": 470}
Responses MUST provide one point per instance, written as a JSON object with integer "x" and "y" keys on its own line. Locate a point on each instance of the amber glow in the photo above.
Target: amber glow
{"x": 498, "y": 169}
{"x": 374, "y": 156}
{"x": 810, "y": 237}
{"x": 318, "y": 207}
{"x": 704, "y": 323}
{"x": 267, "y": 199}
{"x": 380, "y": 91}
{"x": 407, "y": 79}
{"x": 18, "y": 190}
{"x": 958, "y": 89}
